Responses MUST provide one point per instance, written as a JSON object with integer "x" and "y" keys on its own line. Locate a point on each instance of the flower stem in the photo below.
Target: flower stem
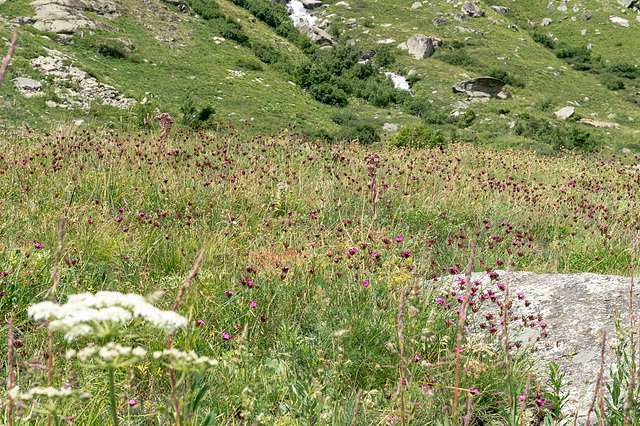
{"x": 112, "y": 396}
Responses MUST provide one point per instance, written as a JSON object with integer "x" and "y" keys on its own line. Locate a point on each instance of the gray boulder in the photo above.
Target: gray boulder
{"x": 586, "y": 15}
{"x": 311, "y": 4}
{"x": 628, "y": 3}
{"x": 472, "y": 9}
{"x": 438, "y": 22}
{"x": 416, "y": 5}
{"x": 480, "y": 87}
{"x": 545, "y": 22}
{"x": 461, "y": 17}
{"x": 575, "y": 308}
{"x": 28, "y": 87}
{"x": 564, "y": 113}
{"x": 420, "y": 46}
{"x": 501, "y": 9}
{"x": 314, "y": 33}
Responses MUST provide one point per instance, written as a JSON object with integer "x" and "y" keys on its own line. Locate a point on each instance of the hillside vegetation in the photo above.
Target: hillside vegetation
{"x": 243, "y": 61}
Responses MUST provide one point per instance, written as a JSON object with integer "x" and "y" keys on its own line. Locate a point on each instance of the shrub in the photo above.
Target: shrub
{"x": 384, "y": 56}
{"x": 419, "y": 137}
{"x": 265, "y": 52}
{"x": 506, "y": 77}
{"x": 249, "y": 63}
{"x": 624, "y": 70}
{"x": 113, "y": 48}
{"x": 544, "y": 40}
{"x": 459, "y": 58}
{"x": 363, "y": 132}
{"x": 612, "y": 82}
{"x": 431, "y": 112}
{"x": 328, "y": 94}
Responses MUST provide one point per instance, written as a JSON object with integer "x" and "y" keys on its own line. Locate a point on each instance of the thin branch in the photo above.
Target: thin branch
{"x": 599, "y": 380}
{"x": 401, "y": 339}
{"x": 194, "y": 272}
{"x": 355, "y": 410}
{"x": 7, "y": 59}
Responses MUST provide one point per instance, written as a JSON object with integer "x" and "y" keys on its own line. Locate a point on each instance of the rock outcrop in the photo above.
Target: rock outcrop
{"x": 620, "y": 21}
{"x": 311, "y": 4}
{"x": 480, "y": 87}
{"x": 67, "y": 16}
{"x": 472, "y": 9}
{"x": 575, "y": 308}
{"x": 77, "y": 88}
{"x": 316, "y": 34}
{"x": 28, "y": 86}
{"x": 602, "y": 124}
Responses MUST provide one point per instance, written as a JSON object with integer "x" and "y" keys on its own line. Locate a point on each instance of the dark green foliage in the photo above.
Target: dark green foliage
{"x": 506, "y": 77}
{"x": 465, "y": 120}
{"x": 328, "y": 94}
{"x": 225, "y": 26}
{"x": 207, "y": 9}
{"x": 192, "y": 114}
{"x": 384, "y": 56}
{"x": 249, "y": 63}
{"x": 459, "y": 58}
{"x": 364, "y": 132}
{"x": 265, "y": 52}
{"x": 431, "y": 112}
{"x": 558, "y": 136}
{"x": 580, "y": 58}
{"x": 625, "y": 70}
{"x": 612, "y": 82}
{"x": 544, "y": 40}
{"x": 419, "y": 137}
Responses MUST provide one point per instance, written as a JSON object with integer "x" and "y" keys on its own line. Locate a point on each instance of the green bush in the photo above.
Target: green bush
{"x": 625, "y": 70}
{"x": 249, "y": 63}
{"x": 612, "y": 82}
{"x": 544, "y": 40}
{"x": 363, "y": 132}
{"x": 506, "y": 77}
{"x": 419, "y": 137}
{"x": 459, "y": 58}
{"x": 328, "y": 94}
{"x": 265, "y": 52}
{"x": 384, "y": 56}
{"x": 431, "y": 112}
{"x": 113, "y": 49}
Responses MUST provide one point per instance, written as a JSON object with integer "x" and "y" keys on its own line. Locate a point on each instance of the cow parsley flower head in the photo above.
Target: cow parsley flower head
{"x": 82, "y": 312}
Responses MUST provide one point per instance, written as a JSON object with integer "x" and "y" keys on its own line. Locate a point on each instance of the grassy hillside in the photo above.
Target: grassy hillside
{"x": 267, "y": 95}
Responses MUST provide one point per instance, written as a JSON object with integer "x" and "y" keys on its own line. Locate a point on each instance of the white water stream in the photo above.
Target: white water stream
{"x": 298, "y": 13}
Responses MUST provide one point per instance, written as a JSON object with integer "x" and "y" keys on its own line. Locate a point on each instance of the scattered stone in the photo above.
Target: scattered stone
{"x": 412, "y": 72}
{"x": 386, "y": 41}
{"x": 590, "y": 46}
{"x": 366, "y": 55}
{"x": 350, "y": 22}
{"x": 438, "y": 22}
{"x": 598, "y": 123}
{"x": 565, "y": 112}
{"x": 180, "y": 4}
{"x": 583, "y": 32}
{"x": 545, "y": 22}
{"x": 493, "y": 20}
{"x": 611, "y": 116}
{"x": 316, "y": 34}
{"x": 461, "y": 17}
{"x": 78, "y": 122}
{"x": 389, "y": 127}
{"x": 51, "y": 104}
{"x": 420, "y": 46}
{"x": 460, "y": 105}
{"x": 416, "y": 5}
{"x": 550, "y": 6}
{"x": 562, "y": 7}
{"x": 480, "y": 87}
{"x": 311, "y": 4}
{"x": 501, "y": 9}
{"x": 403, "y": 46}
{"x": 472, "y": 10}
{"x": 343, "y": 3}
{"x": 504, "y": 94}
{"x": 594, "y": 114}
{"x": 620, "y": 21}
{"x": 77, "y": 88}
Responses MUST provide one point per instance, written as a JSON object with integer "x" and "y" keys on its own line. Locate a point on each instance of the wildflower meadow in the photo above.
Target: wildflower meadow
{"x": 194, "y": 276}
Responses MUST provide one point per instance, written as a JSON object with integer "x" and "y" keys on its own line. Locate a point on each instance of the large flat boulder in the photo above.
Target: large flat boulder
{"x": 68, "y": 16}
{"x": 314, "y": 33}
{"x": 575, "y": 308}
{"x": 480, "y": 87}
